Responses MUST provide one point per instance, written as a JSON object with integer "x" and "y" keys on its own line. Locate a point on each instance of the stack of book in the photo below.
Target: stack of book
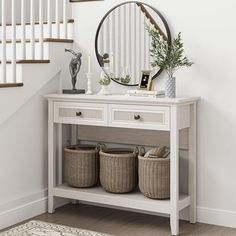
{"x": 146, "y": 93}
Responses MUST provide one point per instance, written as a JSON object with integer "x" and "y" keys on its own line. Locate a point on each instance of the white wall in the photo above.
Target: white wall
{"x": 23, "y": 160}
{"x": 209, "y": 36}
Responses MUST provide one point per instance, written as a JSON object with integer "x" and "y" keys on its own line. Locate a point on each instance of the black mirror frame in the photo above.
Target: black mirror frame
{"x": 102, "y": 21}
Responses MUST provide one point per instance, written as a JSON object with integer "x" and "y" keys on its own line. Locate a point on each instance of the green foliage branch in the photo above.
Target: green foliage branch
{"x": 167, "y": 57}
{"x": 105, "y": 81}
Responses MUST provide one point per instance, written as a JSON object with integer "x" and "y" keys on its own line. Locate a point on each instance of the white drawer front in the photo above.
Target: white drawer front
{"x": 140, "y": 117}
{"x": 80, "y": 113}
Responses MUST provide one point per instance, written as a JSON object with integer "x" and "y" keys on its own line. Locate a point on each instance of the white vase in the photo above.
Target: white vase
{"x": 104, "y": 91}
{"x": 170, "y": 87}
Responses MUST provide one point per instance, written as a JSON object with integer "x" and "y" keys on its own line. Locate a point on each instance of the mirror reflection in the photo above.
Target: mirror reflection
{"x": 123, "y": 43}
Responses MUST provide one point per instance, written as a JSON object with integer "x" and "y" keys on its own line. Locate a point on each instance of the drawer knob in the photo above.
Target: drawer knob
{"x": 137, "y": 117}
{"x": 78, "y": 113}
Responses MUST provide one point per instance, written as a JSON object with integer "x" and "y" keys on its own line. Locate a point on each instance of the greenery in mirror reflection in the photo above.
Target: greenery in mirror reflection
{"x": 126, "y": 79}
{"x": 105, "y": 81}
{"x": 167, "y": 57}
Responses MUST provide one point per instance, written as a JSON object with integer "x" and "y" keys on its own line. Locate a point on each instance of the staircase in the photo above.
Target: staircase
{"x": 32, "y": 25}
{"x": 33, "y": 36}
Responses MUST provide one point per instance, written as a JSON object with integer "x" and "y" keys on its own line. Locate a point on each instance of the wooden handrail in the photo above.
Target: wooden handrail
{"x": 84, "y": 0}
{"x": 153, "y": 22}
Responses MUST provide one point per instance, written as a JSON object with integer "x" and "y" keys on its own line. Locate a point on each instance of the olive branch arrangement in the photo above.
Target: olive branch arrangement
{"x": 167, "y": 57}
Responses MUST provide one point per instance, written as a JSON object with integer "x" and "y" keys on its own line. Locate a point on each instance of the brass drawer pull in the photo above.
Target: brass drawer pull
{"x": 78, "y": 113}
{"x": 137, "y": 117}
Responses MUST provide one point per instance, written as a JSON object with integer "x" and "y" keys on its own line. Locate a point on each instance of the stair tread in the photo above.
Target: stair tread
{"x": 37, "y": 22}
{"x": 29, "y": 61}
{"x": 11, "y": 85}
{"x": 52, "y": 40}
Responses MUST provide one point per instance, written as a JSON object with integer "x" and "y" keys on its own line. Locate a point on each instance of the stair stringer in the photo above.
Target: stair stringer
{"x": 34, "y": 77}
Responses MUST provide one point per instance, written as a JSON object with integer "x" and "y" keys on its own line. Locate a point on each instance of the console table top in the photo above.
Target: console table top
{"x": 122, "y": 99}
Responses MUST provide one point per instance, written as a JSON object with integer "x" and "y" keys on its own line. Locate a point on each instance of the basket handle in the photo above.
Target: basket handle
{"x": 136, "y": 151}
{"x": 142, "y": 151}
{"x": 139, "y": 150}
{"x": 101, "y": 147}
{"x": 166, "y": 154}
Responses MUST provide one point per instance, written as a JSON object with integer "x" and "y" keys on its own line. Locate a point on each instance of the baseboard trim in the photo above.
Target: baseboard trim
{"x": 23, "y": 212}
{"x": 25, "y": 208}
{"x": 216, "y": 217}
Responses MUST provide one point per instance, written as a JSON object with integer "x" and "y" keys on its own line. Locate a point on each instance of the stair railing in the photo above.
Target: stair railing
{"x": 152, "y": 20}
{"x": 45, "y": 12}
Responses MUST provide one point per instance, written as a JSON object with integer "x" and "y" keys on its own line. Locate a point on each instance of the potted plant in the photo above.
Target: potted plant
{"x": 104, "y": 82}
{"x": 168, "y": 57}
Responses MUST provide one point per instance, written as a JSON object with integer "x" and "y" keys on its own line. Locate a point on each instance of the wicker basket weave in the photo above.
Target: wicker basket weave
{"x": 154, "y": 177}
{"x": 81, "y": 166}
{"x": 118, "y": 170}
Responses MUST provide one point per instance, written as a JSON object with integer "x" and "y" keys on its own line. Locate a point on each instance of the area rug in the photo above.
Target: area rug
{"x": 38, "y": 228}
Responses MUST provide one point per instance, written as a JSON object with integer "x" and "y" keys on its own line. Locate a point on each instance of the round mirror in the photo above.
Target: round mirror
{"x": 123, "y": 43}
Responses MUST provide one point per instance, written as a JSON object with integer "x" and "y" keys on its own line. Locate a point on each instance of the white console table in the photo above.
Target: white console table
{"x": 121, "y": 111}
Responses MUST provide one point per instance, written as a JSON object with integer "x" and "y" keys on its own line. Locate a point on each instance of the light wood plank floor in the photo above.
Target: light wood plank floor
{"x": 123, "y": 223}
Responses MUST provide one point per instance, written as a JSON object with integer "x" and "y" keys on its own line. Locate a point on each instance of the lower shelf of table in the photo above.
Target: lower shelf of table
{"x": 134, "y": 200}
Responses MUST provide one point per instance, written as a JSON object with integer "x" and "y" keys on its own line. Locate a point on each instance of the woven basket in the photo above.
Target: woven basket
{"x": 118, "y": 170}
{"x": 154, "y": 177}
{"x": 81, "y": 166}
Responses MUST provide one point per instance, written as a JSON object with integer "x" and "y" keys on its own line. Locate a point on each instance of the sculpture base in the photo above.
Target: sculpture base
{"x": 71, "y": 91}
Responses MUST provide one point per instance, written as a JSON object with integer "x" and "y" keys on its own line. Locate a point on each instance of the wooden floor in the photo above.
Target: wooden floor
{"x": 123, "y": 223}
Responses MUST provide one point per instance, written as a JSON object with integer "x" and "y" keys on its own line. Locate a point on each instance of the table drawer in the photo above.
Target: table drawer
{"x": 80, "y": 113}
{"x": 140, "y": 117}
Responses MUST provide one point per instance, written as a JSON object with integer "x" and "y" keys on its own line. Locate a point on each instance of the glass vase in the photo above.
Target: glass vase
{"x": 104, "y": 90}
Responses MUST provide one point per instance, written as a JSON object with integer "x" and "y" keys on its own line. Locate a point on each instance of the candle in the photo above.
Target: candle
{"x": 89, "y": 64}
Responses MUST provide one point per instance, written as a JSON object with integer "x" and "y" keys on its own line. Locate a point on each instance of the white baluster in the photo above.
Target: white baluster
{"x": 134, "y": 42}
{"x": 65, "y": 18}
{"x": 41, "y": 29}
{"x": 140, "y": 36}
{"x": 116, "y": 51}
{"x": 13, "y": 12}
{"x": 146, "y": 42}
{"x": 119, "y": 37}
{"x": 122, "y": 38}
{"x": 3, "y": 42}
{"x": 23, "y": 32}
{"x": 57, "y": 14}
{"x": 149, "y": 46}
{"x": 127, "y": 35}
{"x": 32, "y": 24}
{"x": 104, "y": 29}
{"x": 49, "y": 19}
{"x": 130, "y": 43}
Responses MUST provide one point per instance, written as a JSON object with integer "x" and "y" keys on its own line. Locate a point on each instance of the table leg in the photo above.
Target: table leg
{"x": 74, "y": 133}
{"x": 174, "y": 172}
{"x": 192, "y": 165}
{"x": 60, "y": 153}
{"x": 51, "y": 159}
{"x": 74, "y": 141}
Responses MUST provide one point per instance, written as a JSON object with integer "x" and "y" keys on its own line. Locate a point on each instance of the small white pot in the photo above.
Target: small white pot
{"x": 104, "y": 91}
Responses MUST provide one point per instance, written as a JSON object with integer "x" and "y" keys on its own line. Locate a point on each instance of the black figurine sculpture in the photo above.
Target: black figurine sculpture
{"x": 74, "y": 67}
